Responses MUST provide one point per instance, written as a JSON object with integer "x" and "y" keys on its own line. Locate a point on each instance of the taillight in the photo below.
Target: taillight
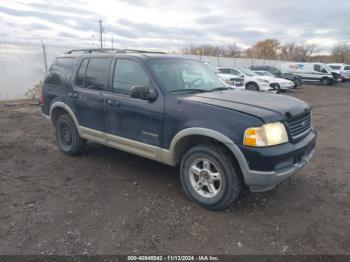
{"x": 42, "y": 97}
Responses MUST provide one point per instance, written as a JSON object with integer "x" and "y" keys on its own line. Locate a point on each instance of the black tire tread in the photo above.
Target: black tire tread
{"x": 219, "y": 153}
{"x": 78, "y": 142}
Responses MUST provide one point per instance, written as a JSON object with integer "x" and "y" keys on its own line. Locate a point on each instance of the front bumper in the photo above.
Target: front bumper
{"x": 270, "y": 166}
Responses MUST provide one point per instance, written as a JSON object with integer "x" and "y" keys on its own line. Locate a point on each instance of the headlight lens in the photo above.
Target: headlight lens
{"x": 266, "y": 135}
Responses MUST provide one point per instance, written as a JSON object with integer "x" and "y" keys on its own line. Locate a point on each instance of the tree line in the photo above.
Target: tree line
{"x": 274, "y": 50}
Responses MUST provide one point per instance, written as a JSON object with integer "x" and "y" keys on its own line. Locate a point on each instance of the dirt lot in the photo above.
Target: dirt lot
{"x": 110, "y": 202}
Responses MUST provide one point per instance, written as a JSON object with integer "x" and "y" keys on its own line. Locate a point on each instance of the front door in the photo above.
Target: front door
{"x": 130, "y": 119}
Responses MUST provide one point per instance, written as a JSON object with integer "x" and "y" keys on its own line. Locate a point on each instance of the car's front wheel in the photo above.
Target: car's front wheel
{"x": 67, "y": 136}
{"x": 252, "y": 87}
{"x": 208, "y": 177}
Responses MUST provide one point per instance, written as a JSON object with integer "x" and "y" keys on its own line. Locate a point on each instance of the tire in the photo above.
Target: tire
{"x": 278, "y": 87}
{"x": 252, "y": 87}
{"x": 223, "y": 185}
{"x": 325, "y": 81}
{"x": 67, "y": 136}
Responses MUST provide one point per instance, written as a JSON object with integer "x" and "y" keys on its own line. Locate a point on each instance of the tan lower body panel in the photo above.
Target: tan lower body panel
{"x": 131, "y": 146}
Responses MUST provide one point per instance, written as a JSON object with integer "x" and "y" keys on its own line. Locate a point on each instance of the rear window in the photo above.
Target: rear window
{"x": 60, "y": 71}
{"x": 93, "y": 73}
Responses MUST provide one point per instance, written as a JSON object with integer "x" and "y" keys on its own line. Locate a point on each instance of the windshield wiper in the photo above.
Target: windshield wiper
{"x": 222, "y": 88}
{"x": 188, "y": 90}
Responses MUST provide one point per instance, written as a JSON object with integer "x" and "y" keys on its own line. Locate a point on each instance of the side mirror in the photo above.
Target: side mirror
{"x": 241, "y": 75}
{"x": 144, "y": 93}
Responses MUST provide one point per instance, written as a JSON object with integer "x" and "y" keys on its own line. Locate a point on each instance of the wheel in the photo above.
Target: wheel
{"x": 325, "y": 81}
{"x": 252, "y": 87}
{"x": 209, "y": 177}
{"x": 278, "y": 87}
{"x": 67, "y": 136}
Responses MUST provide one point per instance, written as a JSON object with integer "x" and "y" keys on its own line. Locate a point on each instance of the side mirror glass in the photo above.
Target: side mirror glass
{"x": 144, "y": 93}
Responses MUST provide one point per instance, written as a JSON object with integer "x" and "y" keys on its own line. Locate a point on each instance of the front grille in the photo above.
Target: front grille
{"x": 299, "y": 125}
{"x": 238, "y": 83}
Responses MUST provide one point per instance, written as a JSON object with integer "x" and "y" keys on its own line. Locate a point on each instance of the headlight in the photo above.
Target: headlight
{"x": 263, "y": 80}
{"x": 266, "y": 135}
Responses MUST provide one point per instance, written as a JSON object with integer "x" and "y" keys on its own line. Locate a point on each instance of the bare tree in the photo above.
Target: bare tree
{"x": 341, "y": 53}
{"x": 233, "y": 50}
{"x": 306, "y": 52}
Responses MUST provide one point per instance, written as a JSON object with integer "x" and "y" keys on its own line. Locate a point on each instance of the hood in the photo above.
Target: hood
{"x": 282, "y": 80}
{"x": 268, "y": 78}
{"x": 267, "y": 107}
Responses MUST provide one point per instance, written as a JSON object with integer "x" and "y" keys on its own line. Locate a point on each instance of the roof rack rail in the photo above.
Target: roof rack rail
{"x": 105, "y": 50}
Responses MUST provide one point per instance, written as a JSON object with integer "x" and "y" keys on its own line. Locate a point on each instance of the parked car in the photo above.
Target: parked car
{"x": 278, "y": 73}
{"x": 312, "y": 72}
{"x": 252, "y": 81}
{"x": 232, "y": 80}
{"x": 283, "y": 84}
{"x": 342, "y": 69}
{"x": 177, "y": 111}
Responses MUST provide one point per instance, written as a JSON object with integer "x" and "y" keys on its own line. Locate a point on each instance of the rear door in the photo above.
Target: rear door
{"x": 91, "y": 81}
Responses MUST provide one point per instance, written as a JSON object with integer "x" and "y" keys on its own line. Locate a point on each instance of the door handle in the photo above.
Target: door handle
{"x": 113, "y": 102}
{"x": 73, "y": 95}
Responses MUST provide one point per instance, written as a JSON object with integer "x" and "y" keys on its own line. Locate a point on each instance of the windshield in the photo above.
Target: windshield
{"x": 327, "y": 68}
{"x": 247, "y": 72}
{"x": 181, "y": 75}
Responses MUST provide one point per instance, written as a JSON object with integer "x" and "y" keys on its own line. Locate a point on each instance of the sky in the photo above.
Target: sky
{"x": 155, "y": 24}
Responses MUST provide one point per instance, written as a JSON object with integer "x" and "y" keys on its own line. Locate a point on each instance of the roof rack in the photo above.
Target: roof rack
{"x": 105, "y": 50}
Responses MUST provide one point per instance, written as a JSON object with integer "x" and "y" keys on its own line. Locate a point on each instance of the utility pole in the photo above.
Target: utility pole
{"x": 112, "y": 42}
{"x": 178, "y": 39}
{"x": 44, "y": 55}
{"x": 100, "y": 22}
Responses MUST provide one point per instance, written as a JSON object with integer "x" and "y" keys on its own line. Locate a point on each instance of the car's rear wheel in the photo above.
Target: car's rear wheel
{"x": 67, "y": 136}
{"x": 252, "y": 87}
{"x": 209, "y": 177}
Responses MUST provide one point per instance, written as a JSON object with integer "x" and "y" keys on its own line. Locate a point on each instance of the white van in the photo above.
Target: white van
{"x": 343, "y": 69}
{"x": 312, "y": 72}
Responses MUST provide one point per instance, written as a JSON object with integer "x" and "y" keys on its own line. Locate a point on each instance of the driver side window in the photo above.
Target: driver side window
{"x": 127, "y": 74}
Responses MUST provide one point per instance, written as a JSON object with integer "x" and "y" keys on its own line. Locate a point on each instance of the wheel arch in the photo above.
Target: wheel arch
{"x": 252, "y": 82}
{"x": 191, "y": 136}
{"x": 59, "y": 108}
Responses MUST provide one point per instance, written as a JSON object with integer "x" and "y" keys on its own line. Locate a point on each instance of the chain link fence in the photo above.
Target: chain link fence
{"x": 22, "y": 67}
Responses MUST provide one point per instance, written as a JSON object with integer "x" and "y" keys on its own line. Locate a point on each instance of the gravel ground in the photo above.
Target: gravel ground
{"x": 110, "y": 202}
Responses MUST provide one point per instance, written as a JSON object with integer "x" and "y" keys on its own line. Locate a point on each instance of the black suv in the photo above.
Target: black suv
{"x": 177, "y": 111}
{"x": 278, "y": 73}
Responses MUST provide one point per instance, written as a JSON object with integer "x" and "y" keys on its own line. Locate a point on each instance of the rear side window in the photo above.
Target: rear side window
{"x": 127, "y": 74}
{"x": 96, "y": 73}
{"x": 79, "y": 82}
{"x": 60, "y": 71}
{"x": 346, "y": 67}
{"x": 335, "y": 67}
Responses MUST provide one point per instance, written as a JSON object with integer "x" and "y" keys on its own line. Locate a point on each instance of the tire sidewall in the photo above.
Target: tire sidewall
{"x": 66, "y": 120}
{"x": 252, "y": 87}
{"x": 227, "y": 172}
